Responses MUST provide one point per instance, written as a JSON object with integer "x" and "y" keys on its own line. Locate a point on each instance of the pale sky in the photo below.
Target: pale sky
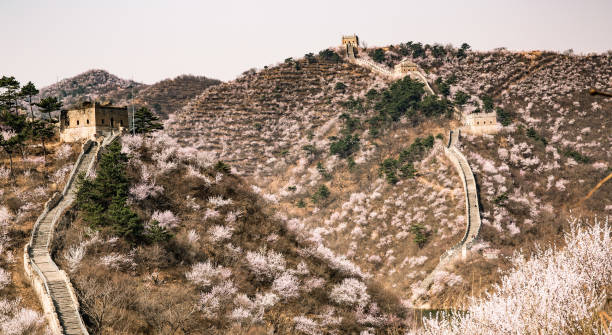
{"x": 150, "y": 40}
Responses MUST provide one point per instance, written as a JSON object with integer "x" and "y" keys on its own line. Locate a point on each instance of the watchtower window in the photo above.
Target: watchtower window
{"x": 102, "y": 121}
{"x": 87, "y": 121}
{"x": 77, "y": 122}
{"x": 121, "y": 122}
{"x": 112, "y": 122}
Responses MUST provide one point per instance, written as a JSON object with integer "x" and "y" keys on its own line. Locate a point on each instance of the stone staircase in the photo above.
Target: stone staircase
{"x": 52, "y": 285}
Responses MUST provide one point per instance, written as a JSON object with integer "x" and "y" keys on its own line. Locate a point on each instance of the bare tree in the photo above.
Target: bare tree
{"x": 102, "y": 302}
{"x": 169, "y": 311}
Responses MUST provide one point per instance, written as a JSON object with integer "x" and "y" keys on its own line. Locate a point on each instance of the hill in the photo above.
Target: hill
{"x": 278, "y": 126}
{"x": 209, "y": 256}
{"x": 92, "y": 84}
{"x": 162, "y": 97}
{"x": 169, "y": 95}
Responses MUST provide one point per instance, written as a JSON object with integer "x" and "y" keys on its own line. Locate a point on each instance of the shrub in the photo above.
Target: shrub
{"x": 345, "y": 146}
{"x": 350, "y": 292}
{"x": 504, "y": 117}
{"x": 378, "y": 55}
{"x": 568, "y": 152}
{"x": 330, "y": 55}
{"x": 340, "y": 87}
{"x": 461, "y": 98}
{"x": 321, "y": 193}
{"x": 420, "y": 234}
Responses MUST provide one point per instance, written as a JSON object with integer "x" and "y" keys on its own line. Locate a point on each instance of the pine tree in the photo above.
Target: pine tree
{"x": 10, "y": 94}
{"x": 49, "y": 105}
{"x": 42, "y": 130}
{"x": 28, "y": 91}
{"x": 103, "y": 201}
{"x": 145, "y": 121}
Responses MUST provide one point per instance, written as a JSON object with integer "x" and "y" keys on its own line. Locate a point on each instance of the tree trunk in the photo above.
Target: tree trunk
{"x": 31, "y": 111}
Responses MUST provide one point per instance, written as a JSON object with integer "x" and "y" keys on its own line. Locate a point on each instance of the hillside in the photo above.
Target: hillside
{"x": 169, "y": 95}
{"x": 163, "y": 97}
{"x": 92, "y": 84}
{"x": 209, "y": 256}
{"x": 276, "y": 127}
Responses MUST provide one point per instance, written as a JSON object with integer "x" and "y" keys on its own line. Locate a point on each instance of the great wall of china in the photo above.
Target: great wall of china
{"x": 472, "y": 210}
{"x": 52, "y": 285}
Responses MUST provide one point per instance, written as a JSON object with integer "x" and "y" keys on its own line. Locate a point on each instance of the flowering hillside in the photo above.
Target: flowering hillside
{"x": 556, "y": 291}
{"x": 208, "y": 257}
{"x": 281, "y": 127}
{"x": 22, "y": 196}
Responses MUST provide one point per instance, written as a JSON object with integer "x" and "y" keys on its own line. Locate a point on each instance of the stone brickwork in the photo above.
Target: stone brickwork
{"x": 481, "y": 123}
{"x": 92, "y": 120}
{"x": 350, "y": 40}
{"x": 405, "y": 67}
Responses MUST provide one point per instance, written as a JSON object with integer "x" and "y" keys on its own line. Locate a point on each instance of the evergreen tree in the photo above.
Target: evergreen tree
{"x": 19, "y": 126}
{"x": 145, "y": 121}
{"x": 43, "y": 131}
{"x": 10, "y": 94}
{"x": 49, "y": 105}
{"x": 103, "y": 201}
{"x": 28, "y": 91}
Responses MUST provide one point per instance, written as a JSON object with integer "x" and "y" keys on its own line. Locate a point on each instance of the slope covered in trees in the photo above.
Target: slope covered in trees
{"x": 313, "y": 124}
{"x": 169, "y": 95}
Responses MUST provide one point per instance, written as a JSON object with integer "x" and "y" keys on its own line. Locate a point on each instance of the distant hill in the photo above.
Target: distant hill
{"x": 93, "y": 84}
{"x": 163, "y": 97}
{"x": 169, "y": 95}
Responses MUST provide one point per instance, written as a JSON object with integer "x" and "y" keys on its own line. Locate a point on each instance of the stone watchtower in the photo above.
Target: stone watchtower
{"x": 481, "y": 123}
{"x": 352, "y": 40}
{"x": 350, "y": 43}
{"x": 92, "y": 120}
{"x": 405, "y": 67}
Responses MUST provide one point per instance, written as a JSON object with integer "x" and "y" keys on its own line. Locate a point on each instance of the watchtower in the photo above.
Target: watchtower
{"x": 405, "y": 67}
{"x": 481, "y": 123}
{"x": 350, "y": 40}
{"x": 91, "y": 120}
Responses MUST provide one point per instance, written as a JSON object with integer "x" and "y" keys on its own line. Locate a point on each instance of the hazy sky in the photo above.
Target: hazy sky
{"x": 151, "y": 40}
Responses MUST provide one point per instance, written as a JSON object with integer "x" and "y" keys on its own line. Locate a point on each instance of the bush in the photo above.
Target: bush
{"x": 330, "y": 55}
{"x": 504, "y": 117}
{"x": 420, "y": 235}
{"x": 461, "y": 98}
{"x": 322, "y": 193}
{"x": 378, "y": 55}
{"x": 344, "y": 147}
{"x": 340, "y": 87}
{"x": 568, "y": 152}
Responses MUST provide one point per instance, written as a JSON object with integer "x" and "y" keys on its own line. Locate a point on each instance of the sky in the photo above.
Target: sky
{"x": 151, "y": 40}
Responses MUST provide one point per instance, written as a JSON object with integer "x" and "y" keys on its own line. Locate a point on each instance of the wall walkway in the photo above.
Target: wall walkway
{"x": 52, "y": 285}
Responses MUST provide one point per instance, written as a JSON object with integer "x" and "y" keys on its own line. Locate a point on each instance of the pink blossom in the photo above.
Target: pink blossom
{"x": 350, "y": 292}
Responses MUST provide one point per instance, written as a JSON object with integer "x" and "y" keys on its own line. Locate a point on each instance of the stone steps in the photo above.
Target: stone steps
{"x": 58, "y": 287}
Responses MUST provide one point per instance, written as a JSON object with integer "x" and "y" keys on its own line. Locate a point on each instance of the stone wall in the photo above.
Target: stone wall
{"x": 92, "y": 121}
{"x": 481, "y": 123}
